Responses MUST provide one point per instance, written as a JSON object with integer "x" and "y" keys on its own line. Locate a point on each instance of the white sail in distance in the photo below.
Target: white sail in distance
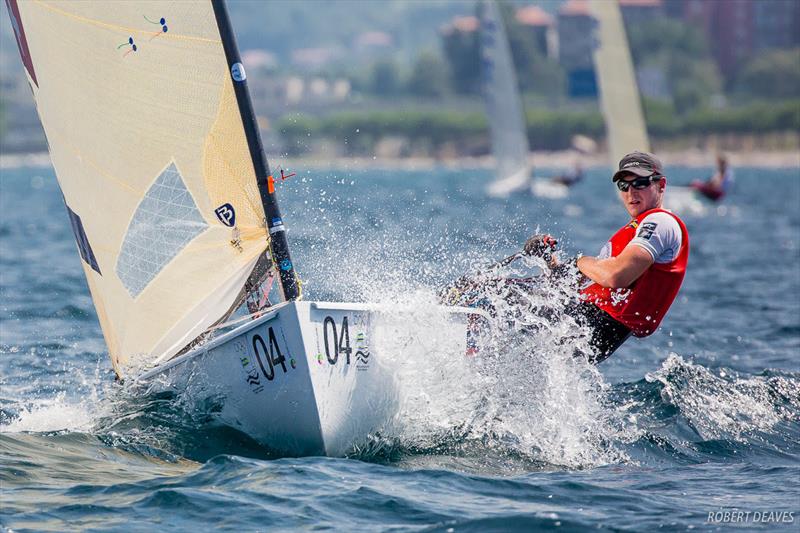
{"x": 138, "y": 106}
{"x": 503, "y": 104}
{"x": 619, "y": 93}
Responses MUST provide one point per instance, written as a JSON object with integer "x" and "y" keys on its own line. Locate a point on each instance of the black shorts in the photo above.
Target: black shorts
{"x": 607, "y": 333}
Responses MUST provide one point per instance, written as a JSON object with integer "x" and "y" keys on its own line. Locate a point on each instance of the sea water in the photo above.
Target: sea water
{"x": 697, "y": 426}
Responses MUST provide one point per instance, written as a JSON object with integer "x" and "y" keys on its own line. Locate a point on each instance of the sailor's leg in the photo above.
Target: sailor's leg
{"x": 607, "y": 334}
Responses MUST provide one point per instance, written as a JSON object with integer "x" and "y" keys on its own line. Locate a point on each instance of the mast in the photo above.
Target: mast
{"x": 279, "y": 246}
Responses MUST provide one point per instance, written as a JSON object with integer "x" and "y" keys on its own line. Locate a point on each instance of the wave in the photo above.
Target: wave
{"x": 524, "y": 403}
{"x": 687, "y": 412}
{"x": 725, "y": 405}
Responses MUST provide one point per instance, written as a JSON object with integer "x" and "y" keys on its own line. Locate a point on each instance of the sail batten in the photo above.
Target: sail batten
{"x": 146, "y": 137}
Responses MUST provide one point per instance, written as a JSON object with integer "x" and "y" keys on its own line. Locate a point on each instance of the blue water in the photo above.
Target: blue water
{"x": 701, "y": 417}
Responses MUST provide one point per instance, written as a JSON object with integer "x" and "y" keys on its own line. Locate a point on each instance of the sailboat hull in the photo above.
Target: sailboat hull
{"x": 684, "y": 201}
{"x": 505, "y": 187}
{"x": 545, "y": 188}
{"x": 310, "y": 378}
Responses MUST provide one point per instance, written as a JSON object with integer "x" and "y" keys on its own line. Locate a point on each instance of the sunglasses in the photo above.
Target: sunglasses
{"x": 638, "y": 183}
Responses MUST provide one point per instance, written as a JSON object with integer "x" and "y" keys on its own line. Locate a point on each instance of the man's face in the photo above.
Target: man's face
{"x": 637, "y": 201}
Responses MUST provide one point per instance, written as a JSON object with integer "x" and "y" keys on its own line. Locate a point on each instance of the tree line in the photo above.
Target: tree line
{"x": 359, "y": 131}
{"x": 763, "y": 96}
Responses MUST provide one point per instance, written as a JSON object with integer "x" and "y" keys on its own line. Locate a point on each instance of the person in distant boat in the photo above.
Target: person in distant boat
{"x": 569, "y": 178}
{"x": 717, "y": 185}
{"x": 629, "y": 287}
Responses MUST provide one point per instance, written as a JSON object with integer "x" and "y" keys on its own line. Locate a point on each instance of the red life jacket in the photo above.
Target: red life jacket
{"x": 643, "y": 305}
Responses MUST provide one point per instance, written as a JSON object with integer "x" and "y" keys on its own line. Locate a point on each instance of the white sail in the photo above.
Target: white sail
{"x": 503, "y": 106}
{"x": 619, "y": 92}
{"x": 138, "y": 106}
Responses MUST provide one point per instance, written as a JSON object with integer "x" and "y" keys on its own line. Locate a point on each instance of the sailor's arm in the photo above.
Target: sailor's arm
{"x": 617, "y": 272}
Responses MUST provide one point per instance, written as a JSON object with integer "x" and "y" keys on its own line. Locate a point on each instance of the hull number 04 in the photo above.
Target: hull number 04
{"x": 268, "y": 352}
{"x": 336, "y": 343}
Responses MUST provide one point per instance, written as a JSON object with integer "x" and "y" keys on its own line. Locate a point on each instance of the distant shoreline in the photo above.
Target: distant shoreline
{"x": 693, "y": 158}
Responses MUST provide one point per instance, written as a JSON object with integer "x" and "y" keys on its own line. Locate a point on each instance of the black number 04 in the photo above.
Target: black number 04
{"x": 273, "y": 355}
{"x": 341, "y": 343}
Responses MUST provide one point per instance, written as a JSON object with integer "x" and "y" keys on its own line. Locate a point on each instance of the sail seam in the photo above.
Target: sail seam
{"x": 53, "y": 130}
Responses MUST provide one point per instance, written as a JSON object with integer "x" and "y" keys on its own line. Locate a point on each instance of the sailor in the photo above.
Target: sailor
{"x": 631, "y": 284}
{"x": 717, "y": 185}
{"x": 569, "y": 178}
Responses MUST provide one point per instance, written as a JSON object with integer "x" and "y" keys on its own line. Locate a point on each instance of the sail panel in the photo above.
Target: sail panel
{"x": 501, "y": 94}
{"x": 137, "y": 103}
{"x": 619, "y": 93}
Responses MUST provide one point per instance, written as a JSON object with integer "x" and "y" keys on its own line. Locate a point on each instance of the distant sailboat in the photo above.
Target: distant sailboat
{"x": 619, "y": 93}
{"x": 620, "y": 100}
{"x": 503, "y": 105}
{"x": 156, "y": 148}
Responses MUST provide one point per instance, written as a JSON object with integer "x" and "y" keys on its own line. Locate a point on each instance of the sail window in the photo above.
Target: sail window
{"x": 166, "y": 220}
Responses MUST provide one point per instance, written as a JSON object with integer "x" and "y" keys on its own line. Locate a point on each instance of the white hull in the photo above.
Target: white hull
{"x": 504, "y": 187}
{"x": 545, "y": 188}
{"x": 311, "y": 378}
{"x": 683, "y": 201}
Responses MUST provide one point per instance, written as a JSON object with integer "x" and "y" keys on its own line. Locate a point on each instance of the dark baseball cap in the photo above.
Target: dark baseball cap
{"x": 639, "y": 163}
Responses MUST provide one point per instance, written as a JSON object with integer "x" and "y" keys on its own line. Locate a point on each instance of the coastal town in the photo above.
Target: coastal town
{"x": 720, "y": 76}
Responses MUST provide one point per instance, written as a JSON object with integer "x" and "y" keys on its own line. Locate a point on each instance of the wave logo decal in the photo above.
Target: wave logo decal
{"x": 362, "y": 351}
{"x": 251, "y": 375}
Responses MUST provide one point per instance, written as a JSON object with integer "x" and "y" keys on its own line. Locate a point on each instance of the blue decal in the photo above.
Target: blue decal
{"x": 238, "y": 73}
{"x": 286, "y": 264}
{"x": 82, "y": 240}
{"x": 226, "y": 215}
{"x": 277, "y": 221}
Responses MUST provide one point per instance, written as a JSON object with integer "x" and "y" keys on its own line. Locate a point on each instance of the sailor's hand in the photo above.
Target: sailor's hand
{"x": 567, "y": 268}
{"x": 540, "y": 245}
{"x": 451, "y": 294}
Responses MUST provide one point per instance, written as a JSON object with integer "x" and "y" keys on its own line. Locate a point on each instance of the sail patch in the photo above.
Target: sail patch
{"x": 22, "y": 41}
{"x": 226, "y": 214}
{"x": 82, "y": 240}
{"x": 166, "y": 220}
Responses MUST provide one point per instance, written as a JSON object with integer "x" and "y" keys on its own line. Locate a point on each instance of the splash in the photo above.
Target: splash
{"x": 61, "y": 412}
{"x": 524, "y": 395}
{"x": 119, "y": 415}
{"x": 51, "y": 415}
